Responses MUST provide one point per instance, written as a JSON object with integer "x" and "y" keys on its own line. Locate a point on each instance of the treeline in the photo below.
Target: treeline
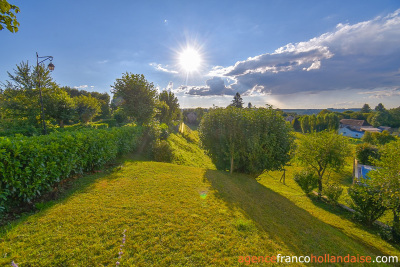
{"x": 321, "y": 122}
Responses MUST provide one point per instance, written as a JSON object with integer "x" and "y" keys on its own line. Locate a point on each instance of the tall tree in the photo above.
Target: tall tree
{"x": 366, "y": 108}
{"x": 380, "y": 107}
{"x": 387, "y": 178}
{"x": 8, "y": 16}
{"x": 323, "y": 150}
{"x": 237, "y": 101}
{"x": 138, "y": 96}
{"x": 59, "y": 105}
{"x": 169, "y": 110}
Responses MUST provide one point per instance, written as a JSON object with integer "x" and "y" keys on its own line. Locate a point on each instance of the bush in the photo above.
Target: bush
{"x": 367, "y": 202}
{"x": 162, "y": 151}
{"x": 164, "y": 131}
{"x": 30, "y": 166}
{"x": 366, "y": 153}
{"x": 307, "y": 181}
{"x": 332, "y": 192}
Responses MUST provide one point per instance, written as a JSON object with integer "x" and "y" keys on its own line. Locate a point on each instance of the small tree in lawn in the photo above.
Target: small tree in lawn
{"x": 386, "y": 177}
{"x": 321, "y": 151}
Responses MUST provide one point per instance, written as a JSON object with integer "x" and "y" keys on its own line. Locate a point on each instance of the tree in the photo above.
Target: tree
{"x": 59, "y": 105}
{"x": 8, "y": 16}
{"x": 237, "y": 101}
{"x": 366, "y": 109}
{"x": 138, "y": 96}
{"x": 20, "y": 99}
{"x": 387, "y": 178}
{"x": 366, "y": 153}
{"x": 249, "y": 105}
{"x": 87, "y": 107}
{"x": 323, "y": 150}
{"x": 296, "y": 125}
{"x": 169, "y": 107}
{"x": 246, "y": 140}
{"x": 380, "y": 118}
{"x": 380, "y": 107}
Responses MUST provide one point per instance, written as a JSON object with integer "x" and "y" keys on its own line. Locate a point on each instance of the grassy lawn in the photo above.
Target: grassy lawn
{"x": 181, "y": 216}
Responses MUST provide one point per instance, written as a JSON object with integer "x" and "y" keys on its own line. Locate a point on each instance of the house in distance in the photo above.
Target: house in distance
{"x": 356, "y": 128}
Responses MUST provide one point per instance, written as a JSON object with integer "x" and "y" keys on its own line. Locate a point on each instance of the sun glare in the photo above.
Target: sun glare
{"x": 190, "y": 59}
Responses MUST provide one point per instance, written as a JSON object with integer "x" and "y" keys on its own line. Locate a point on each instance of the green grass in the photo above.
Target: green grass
{"x": 188, "y": 153}
{"x": 180, "y": 216}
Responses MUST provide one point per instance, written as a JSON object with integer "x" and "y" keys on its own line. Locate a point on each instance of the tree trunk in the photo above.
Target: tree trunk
{"x": 61, "y": 124}
{"x": 231, "y": 164}
{"x": 319, "y": 186}
{"x": 396, "y": 226}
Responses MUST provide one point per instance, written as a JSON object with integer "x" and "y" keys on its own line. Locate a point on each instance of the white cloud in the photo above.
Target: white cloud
{"x": 162, "y": 68}
{"x": 81, "y": 86}
{"x": 361, "y": 56}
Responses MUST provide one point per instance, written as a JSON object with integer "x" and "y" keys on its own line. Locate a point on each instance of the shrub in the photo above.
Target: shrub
{"x": 162, "y": 151}
{"x": 307, "y": 180}
{"x": 30, "y": 166}
{"x": 366, "y": 153}
{"x": 332, "y": 192}
{"x": 367, "y": 202}
{"x": 164, "y": 131}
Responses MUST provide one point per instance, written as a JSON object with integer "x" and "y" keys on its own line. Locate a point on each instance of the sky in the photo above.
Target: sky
{"x": 289, "y": 54}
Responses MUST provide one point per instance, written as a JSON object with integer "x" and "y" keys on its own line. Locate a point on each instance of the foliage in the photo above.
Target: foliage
{"x": 8, "y": 16}
{"x": 237, "y": 101}
{"x": 386, "y": 177}
{"x": 333, "y": 191}
{"x": 59, "y": 105}
{"x": 378, "y": 138}
{"x": 20, "y": 97}
{"x": 324, "y": 121}
{"x": 380, "y": 118}
{"x": 137, "y": 95}
{"x": 380, "y": 107}
{"x": 162, "y": 151}
{"x": 246, "y": 140}
{"x": 366, "y": 153}
{"x": 367, "y": 202}
{"x": 307, "y": 180}
{"x": 366, "y": 109}
{"x": 296, "y": 125}
{"x": 30, "y": 166}
{"x": 323, "y": 150}
{"x": 87, "y": 107}
{"x": 169, "y": 107}
{"x": 193, "y": 116}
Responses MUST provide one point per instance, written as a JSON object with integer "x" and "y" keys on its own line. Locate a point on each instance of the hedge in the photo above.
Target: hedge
{"x": 30, "y": 166}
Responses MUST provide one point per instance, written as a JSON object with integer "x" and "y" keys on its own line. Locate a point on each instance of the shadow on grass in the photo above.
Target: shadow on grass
{"x": 283, "y": 221}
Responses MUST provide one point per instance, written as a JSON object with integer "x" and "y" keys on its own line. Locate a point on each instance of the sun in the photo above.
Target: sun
{"x": 190, "y": 59}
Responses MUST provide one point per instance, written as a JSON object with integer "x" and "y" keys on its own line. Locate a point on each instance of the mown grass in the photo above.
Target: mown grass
{"x": 326, "y": 213}
{"x": 180, "y": 216}
{"x": 188, "y": 153}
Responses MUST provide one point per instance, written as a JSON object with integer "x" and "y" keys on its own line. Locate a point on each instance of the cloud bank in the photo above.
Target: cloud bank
{"x": 363, "y": 56}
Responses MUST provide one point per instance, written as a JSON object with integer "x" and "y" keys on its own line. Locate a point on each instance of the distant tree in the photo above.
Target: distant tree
{"x": 58, "y": 105}
{"x": 237, "y": 101}
{"x": 386, "y": 177}
{"x": 246, "y": 140}
{"x": 323, "y": 150}
{"x": 380, "y": 118}
{"x": 305, "y": 124}
{"x": 367, "y": 138}
{"x": 169, "y": 107}
{"x": 249, "y": 105}
{"x": 380, "y": 107}
{"x": 366, "y": 109}
{"x": 8, "y": 16}
{"x": 394, "y": 117}
{"x": 87, "y": 107}
{"x": 138, "y": 96}
{"x": 296, "y": 125}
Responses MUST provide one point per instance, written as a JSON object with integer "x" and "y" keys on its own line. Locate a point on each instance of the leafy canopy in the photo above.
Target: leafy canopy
{"x": 246, "y": 140}
{"x": 136, "y": 96}
{"x": 8, "y": 16}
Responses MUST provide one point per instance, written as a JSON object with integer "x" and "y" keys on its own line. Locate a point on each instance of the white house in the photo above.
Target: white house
{"x": 355, "y": 128}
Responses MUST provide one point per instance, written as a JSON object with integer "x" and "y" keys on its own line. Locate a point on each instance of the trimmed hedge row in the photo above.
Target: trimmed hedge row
{"x": 30, "y": 166}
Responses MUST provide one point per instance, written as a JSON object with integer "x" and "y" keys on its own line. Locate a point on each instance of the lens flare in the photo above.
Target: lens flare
{"x": 190, "y": 59}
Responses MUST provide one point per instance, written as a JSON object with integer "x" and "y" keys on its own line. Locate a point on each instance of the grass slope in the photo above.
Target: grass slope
{"x": 173, "y": 215}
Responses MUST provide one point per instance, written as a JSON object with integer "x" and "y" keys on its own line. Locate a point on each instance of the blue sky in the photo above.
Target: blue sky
{"x": 291, "y": 54}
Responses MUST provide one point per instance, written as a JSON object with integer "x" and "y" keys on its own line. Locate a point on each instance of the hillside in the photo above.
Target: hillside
{"x": 173, "y": 215}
